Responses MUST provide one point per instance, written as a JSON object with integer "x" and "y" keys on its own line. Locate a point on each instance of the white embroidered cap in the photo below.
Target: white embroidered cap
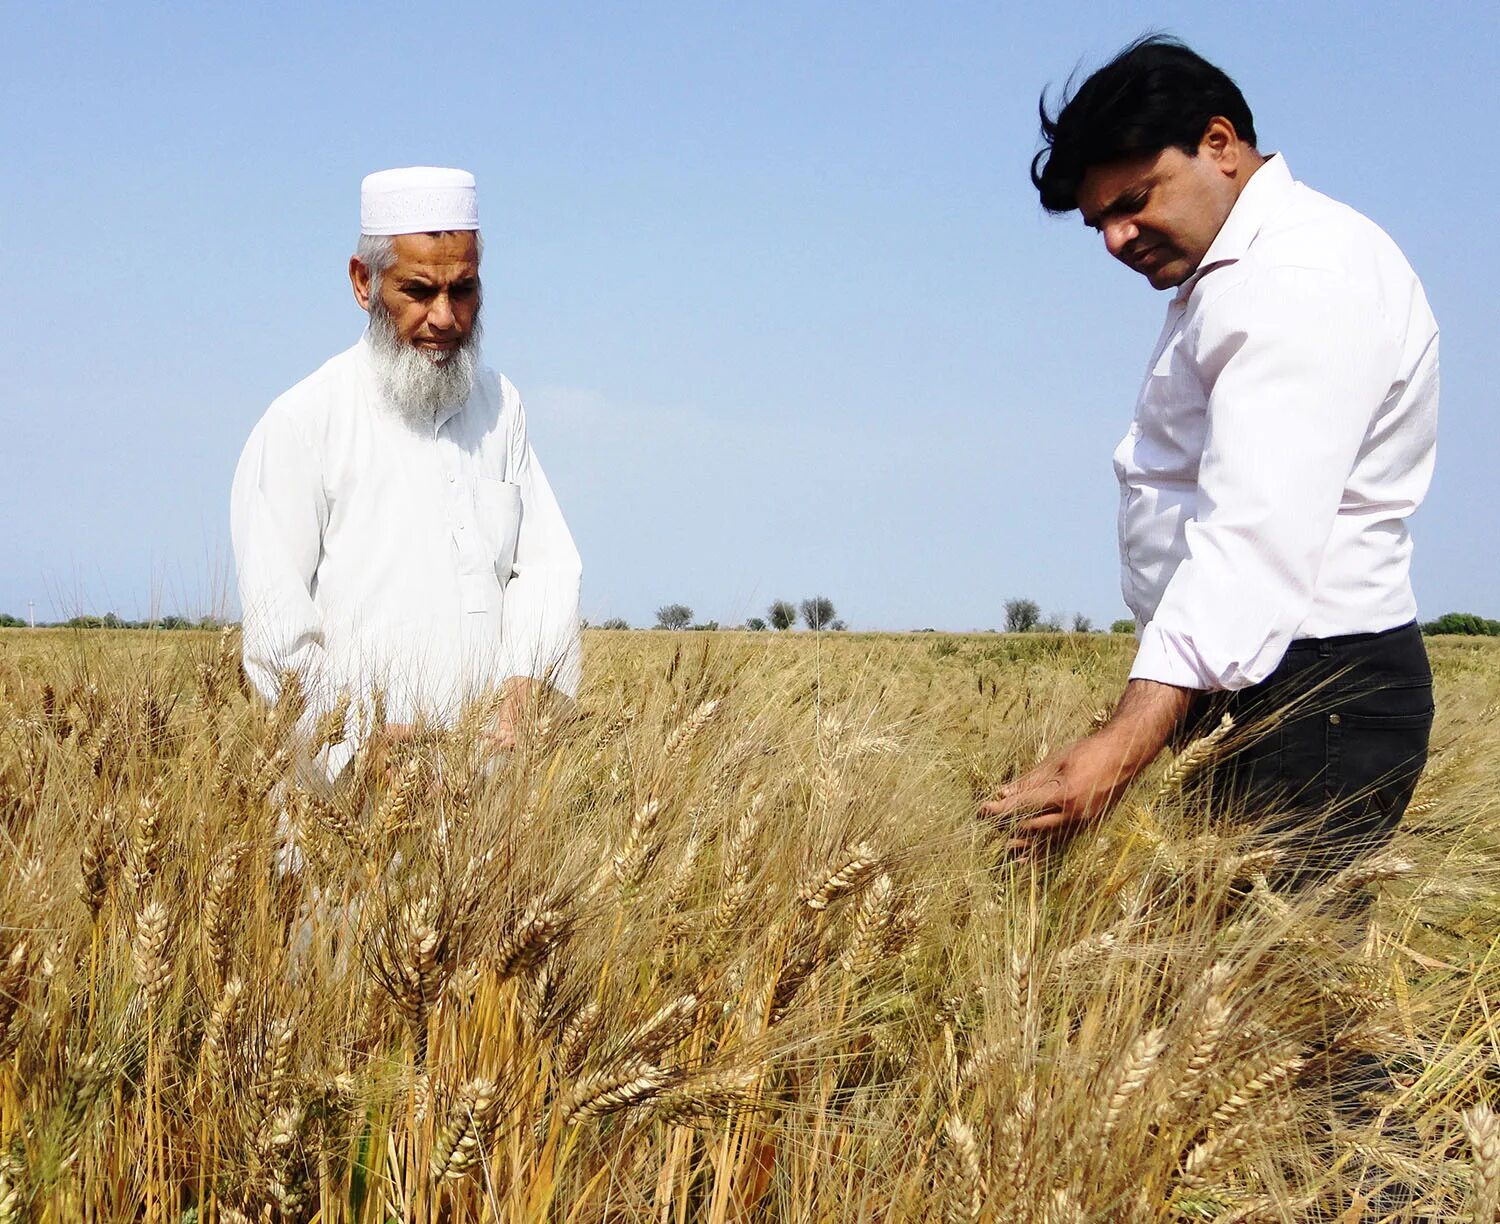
{"x": 418, "y": 200}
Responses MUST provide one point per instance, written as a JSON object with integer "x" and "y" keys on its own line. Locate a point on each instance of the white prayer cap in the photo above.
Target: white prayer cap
{"x": 417, "y": 200}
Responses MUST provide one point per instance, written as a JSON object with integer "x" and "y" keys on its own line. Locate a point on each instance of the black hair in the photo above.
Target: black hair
{"x": 1156, "y": 94}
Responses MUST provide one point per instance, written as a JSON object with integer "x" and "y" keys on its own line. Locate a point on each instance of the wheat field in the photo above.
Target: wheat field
{"x": 723, "y": 941}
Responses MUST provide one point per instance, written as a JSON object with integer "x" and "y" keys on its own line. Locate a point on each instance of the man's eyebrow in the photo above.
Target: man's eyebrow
{"x": 417, "y": 280}
{"x": 1114, "y": 206}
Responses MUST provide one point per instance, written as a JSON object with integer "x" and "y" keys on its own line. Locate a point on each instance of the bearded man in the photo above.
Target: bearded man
{"x": 393, "y": 531}
{"x": 1283, "y": 434}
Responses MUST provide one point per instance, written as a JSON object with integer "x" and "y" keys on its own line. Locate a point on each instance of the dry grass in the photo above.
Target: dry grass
{"x": 722, "y": 943}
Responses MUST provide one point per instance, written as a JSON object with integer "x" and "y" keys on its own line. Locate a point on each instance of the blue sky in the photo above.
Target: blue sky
{"x": 771, "y": 278}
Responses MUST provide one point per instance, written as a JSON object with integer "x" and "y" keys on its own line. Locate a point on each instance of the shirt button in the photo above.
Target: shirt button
{"x": 1334, "y": 720}
{"x": 451, "y": 477}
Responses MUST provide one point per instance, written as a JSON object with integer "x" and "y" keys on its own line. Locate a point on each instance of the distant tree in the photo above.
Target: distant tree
{"x": 1051, "y": 623}
{"x": 1082, "y": 624}
{"x": 838, "y": 626}
{"x": 1463, "y": 622}
{"x": 782, "y": 614}
{"x": 817, "y": 612}
{"x": 1126, "y": 624}
{"x": 705, "y": 626}
{"x": 174, "y": 622}
{"x": 674, "y": 616}
{"x": 7, "y": 621}
{"x": 755, "y": 623}
{"x": 615, "y": 622}
{"x": 1021, "y": 615}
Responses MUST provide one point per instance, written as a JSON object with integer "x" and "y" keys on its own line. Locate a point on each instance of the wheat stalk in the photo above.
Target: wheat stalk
{"x": 1207, "y": 1161}
{"x": 96, "y": 863}
{"x": 1210, "y": 1021}
{"x": 577, "y": 1034}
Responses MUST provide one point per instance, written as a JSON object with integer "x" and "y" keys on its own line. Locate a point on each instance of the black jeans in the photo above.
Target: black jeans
{"x": 1333, "y": 743}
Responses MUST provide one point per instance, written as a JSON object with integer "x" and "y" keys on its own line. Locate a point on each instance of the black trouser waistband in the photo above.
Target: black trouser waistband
{"x": 1323, "y": 645}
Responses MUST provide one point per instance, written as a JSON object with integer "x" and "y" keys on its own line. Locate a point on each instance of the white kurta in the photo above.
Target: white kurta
{"x": 1285, "y": 431}
{"x": 431, "y": 566}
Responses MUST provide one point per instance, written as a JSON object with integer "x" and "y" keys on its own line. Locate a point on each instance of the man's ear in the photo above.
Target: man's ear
{"x": 1221, "y": 144}
{"x": 359, "y": 281}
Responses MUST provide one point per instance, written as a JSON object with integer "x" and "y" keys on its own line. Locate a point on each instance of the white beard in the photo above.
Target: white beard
{"x": 417, "y": 385}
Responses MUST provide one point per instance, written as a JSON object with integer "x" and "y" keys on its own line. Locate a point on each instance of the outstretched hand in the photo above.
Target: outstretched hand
{"x": 1065, "y": 793}
{"x": 1079, "y": 785}
{"x": 519, "y": 693}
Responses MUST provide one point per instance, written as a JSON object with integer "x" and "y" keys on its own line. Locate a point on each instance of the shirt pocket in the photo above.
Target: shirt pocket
{"x": 1171, "y": 378}
{"x": 497, "y": 506}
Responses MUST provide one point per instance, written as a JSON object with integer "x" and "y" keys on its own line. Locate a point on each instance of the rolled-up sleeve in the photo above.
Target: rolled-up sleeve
{"x": 540, "y": 624}
{"x": 1296, "y": 366}
{"x": 277, "y": 515}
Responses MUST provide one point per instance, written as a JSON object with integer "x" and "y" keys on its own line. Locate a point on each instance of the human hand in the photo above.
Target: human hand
{"x": 1064, "y": 794}
{"x": 518, "y": 694}
{"x": 1078, "y": 786}
{"x": 382, "y": 744}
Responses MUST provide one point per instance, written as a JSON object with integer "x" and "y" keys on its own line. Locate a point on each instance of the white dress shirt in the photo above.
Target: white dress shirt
{"x": 430, "y": 565}
{"x": 1285, "y": 430}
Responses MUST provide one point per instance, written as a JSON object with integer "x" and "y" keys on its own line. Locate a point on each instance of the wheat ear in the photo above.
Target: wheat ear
{"x": 1483, "y": 1127}
{"x": 964, "y": 1172}
{"x": 683, "y": 735}
{"x": 153, "y": 971}
{"x": 467, "y": 1134}
{"x": 1131, "y": 1076}
{"x": 615, "y": 1088}
{"x": 853, "y": 873}
{"x": 1193, "y": 758}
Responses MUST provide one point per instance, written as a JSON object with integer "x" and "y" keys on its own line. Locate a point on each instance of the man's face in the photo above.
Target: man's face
{"x": 431, "y": 292}
{"x": 1160, "y": 212}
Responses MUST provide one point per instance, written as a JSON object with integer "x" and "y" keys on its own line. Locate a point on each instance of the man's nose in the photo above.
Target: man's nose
{"x": 440, "y": 316}
{"x": 1118, "y": 235}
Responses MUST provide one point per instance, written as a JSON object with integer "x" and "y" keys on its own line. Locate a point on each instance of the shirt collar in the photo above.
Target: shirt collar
{"x": 1260, "y": 199}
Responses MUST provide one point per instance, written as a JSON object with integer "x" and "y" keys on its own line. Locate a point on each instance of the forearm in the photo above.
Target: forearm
{"x": 1144, "y": 720}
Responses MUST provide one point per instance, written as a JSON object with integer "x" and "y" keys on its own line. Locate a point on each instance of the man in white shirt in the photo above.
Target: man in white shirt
{"x": 393, "y": 531}
{"x": 1284, "y": 431}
